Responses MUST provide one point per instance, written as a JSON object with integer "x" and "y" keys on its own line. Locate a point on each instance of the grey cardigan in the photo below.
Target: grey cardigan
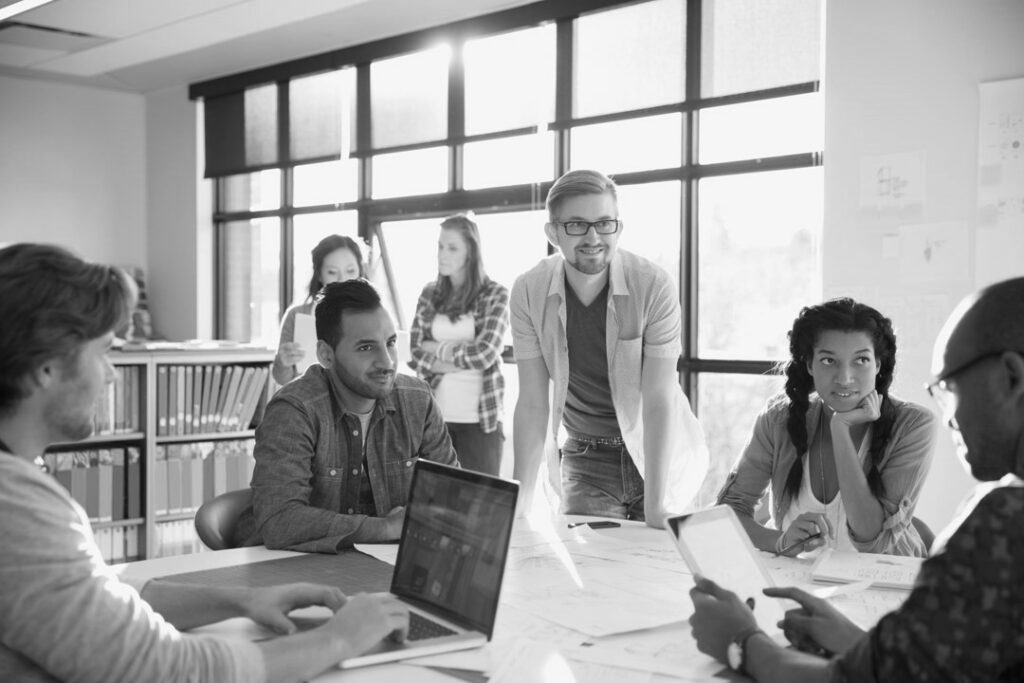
{"x": 770, "y": 454}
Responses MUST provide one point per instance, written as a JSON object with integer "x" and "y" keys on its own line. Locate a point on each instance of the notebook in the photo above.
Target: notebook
{"x": 714, "y": 544}
{"x": 883, "y": 571}
{"x": 451, "y": 561}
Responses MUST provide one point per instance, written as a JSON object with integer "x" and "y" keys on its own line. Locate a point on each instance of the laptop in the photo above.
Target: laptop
{"x": 451, "y": 561}
{"x": 714, "y": 544}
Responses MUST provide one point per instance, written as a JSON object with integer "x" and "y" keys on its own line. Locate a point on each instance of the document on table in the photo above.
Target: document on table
{"x": 883, "y": 571}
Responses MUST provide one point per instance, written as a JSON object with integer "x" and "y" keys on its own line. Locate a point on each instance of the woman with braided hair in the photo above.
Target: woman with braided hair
{"x": 844, "y": 459}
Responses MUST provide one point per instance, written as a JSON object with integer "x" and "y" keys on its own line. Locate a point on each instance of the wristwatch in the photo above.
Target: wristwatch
{"x": 736, "y": 653}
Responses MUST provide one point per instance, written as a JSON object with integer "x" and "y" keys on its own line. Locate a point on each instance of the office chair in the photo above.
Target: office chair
{"x": 927, "y": 535}
{"x": 216, "y": 518}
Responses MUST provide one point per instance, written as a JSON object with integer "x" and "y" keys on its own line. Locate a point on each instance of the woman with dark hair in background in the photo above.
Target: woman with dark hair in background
{"x": 457, "y": 338}
{"x": 336, "y": 258}
{"x": 845, "y": 460}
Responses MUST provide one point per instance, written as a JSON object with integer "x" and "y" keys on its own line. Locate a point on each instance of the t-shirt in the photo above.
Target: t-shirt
{"x": 67, "y": 616}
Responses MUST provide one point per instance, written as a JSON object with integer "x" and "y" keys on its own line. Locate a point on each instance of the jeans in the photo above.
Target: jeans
{"x": 477, "y": 450}
{"x": 600, "y": 479}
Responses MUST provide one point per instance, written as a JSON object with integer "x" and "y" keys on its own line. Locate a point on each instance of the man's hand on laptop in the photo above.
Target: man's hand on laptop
{"x": 365, "y": 620}
{"x": 393, "y": 523}
{"x": 382, "y": 529}
{"x": 270, "y": 606}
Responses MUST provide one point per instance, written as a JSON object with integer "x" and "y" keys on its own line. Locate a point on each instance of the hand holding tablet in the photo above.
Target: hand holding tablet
{"x": 714, "y": 545}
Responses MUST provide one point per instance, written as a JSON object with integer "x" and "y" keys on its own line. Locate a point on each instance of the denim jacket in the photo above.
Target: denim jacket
{"x": 308, "y": 458}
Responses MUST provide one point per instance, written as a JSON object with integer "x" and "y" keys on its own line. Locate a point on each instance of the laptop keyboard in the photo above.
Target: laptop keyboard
{"x": 421, "y": 628}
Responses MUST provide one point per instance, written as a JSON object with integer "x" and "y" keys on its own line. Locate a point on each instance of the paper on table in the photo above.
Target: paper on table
{"x": 829, "y": 592}
{"x": 385, "y": 552}
{"x": 528, "y": 660}
{"x": 305, "y": 336}
{"x": 883, "y": 571}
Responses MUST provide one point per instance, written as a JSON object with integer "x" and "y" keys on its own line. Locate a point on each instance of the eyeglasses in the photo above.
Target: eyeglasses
{"x": 939, "y": 389}
{"x": 607, "y": 226}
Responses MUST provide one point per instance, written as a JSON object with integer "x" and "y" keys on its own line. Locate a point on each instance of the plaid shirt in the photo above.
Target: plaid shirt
{"x": 490, "y": 316}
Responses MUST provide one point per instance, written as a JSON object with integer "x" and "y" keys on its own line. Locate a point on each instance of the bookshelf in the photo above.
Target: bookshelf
{"x": 173, "y": 430}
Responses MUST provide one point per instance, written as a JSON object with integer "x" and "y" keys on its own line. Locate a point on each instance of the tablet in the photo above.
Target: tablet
{"x": 714, "y": 544}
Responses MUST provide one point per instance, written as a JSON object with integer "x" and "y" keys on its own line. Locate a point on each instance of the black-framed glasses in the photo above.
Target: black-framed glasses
{"x": 606, "y": 226}
{"x": 938, "y": 388}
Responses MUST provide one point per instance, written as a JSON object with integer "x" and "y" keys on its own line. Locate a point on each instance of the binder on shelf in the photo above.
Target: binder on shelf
{"x": 204, "y": 401}
{"x": 252, "y": 401}
{"x": 235, "y": 418}
{"x": 186, "y": 424}
{"x": 134, "y": 484}
{"x": 197, "y": 398}
{"x": 220, "y": 469}
{"x": 139, "y": 402}
{"x": 130, "y": 423}
{"x": 173, "y": 479}
{"x": 92, "y": 485}
{"x": 118, "y": 486}
{"x": 131, "y": 543}
{"x": 102, "y": 539}
{"x": 180, "y": 398}
{"x": 207, "y": 465}
{"x": 118, "y": 421}
{"x": 79, "y": 485}
{"x": 233, "y": 377}
{"x": 198, "y": 475}
{"x": 161, "y": 400}
{"x": 159, "y": 489}
{"x": 117, "y": 544}
{"x": 105, "y": 475}
{"x": 172, "y": 399}
{"x": 213, "y": 419}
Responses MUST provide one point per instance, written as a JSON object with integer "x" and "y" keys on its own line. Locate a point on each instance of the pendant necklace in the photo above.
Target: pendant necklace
{"x": 821, "y": 465}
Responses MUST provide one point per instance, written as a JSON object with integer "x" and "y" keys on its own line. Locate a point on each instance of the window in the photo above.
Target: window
{"x": 706, "y": 112}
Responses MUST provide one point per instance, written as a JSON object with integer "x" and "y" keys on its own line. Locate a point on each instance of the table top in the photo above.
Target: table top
{"x": 597, "y": 603}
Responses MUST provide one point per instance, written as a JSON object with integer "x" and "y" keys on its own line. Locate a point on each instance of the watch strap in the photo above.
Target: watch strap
{"x": 740, "y": 639}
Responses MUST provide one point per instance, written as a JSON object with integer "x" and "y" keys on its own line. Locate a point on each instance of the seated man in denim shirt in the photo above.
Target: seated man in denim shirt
{"x": 336, "y": 448}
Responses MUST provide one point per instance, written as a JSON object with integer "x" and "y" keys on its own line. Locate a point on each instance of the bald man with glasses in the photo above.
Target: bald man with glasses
{"x": 603, "y": 327}
{"x": 964, "y": 619}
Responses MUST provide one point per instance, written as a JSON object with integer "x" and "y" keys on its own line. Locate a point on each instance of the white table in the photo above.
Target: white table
{"x": 565, "y": 592}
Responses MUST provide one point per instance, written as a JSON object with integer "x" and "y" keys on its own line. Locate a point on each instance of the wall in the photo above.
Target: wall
{"x": 179, "y": 218}
{"x": 72, "y": 169}
{"x": 903, "y": 77}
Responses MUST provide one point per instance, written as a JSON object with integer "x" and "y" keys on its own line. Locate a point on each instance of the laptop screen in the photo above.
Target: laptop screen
{"x": 454, "y": 543}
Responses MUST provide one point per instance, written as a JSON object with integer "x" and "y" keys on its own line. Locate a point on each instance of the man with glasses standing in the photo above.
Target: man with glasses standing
{"x": 603, "y": 325}
{"x": 964, "y": 620}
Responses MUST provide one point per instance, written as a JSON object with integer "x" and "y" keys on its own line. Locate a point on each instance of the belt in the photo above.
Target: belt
{"x": 600, "y": 440}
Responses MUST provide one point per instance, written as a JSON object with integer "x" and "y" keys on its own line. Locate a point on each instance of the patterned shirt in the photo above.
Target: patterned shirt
{"x": 964, "y": 620}
{"x": 490, "y": 316}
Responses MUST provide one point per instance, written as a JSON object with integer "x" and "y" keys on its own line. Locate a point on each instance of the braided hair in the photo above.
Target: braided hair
{"x": 843, "y": 315}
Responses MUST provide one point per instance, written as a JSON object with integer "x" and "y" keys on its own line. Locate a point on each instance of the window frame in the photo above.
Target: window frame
{"x": 372, "y": 212}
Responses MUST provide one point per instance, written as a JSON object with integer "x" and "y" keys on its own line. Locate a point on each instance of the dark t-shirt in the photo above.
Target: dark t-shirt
{"x": 588, "y": 403}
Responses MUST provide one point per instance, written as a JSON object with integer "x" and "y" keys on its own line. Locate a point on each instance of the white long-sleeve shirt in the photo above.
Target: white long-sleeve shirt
{"x": 65, "y": 616}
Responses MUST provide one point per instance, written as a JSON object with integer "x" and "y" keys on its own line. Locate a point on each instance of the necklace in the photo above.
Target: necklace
{"x": 821, "y": 455}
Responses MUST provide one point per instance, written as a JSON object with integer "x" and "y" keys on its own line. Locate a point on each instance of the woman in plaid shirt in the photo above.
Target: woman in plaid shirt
{"x": 457, "y": 338}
